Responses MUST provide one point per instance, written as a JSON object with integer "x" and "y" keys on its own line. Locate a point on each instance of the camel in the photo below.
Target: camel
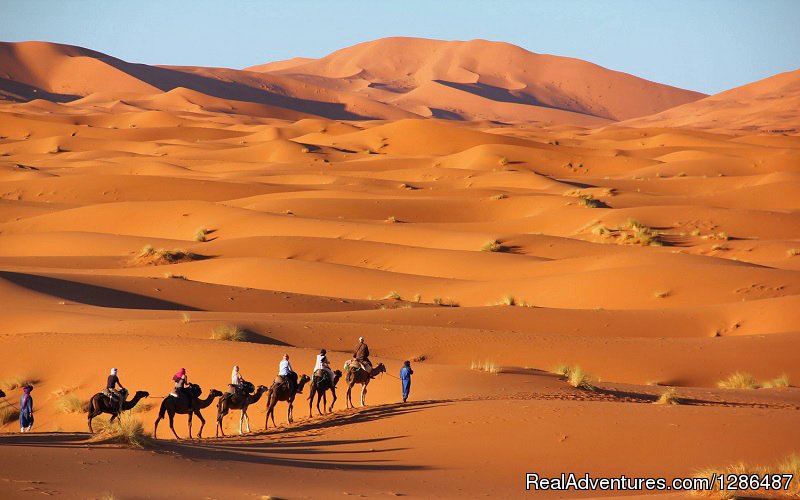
{"x": 100, "y": 403}
{"x": 360, "y": 377}
{"x": 280, "y": 392}
{"x": 172, "y": 405}
{"x": 319, "y": 386}
{"x": 237, "y": 402}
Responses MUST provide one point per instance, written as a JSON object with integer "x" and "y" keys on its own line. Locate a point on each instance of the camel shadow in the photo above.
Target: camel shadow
{"x": 45, "y": 439}
{"x": 292, "y": 450}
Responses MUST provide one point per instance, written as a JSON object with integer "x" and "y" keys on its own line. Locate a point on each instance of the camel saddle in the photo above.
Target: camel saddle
{"x": 356, "y": 365}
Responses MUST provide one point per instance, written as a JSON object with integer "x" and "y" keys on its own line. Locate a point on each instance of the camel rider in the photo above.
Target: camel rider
{"x": 285, "y": 371}
{"x": 237, "y": 381}
{"x": 323, "y": 364}
{"x": 111, "y": 389}
{"x": 361, "y": 355}
{"x": 182, "y": 385}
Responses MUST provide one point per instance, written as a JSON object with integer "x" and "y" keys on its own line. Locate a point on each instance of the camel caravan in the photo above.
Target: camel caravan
{"x": 186, "y": 398}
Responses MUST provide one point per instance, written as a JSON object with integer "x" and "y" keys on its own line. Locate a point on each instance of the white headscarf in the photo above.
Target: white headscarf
{"x": 113, "y": 371}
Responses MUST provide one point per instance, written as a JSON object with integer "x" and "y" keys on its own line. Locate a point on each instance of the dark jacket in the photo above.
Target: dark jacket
{"x": 112, "y": 382}
{"x": 362, "y": 351}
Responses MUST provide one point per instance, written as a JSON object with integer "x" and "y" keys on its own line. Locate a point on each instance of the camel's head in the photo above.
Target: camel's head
{"x": 262, "y": 388}
{"x": 215, "y": 393}
{"x": 142, "y": 394}
{"x": 304, "y": 380}
{"x": 381, "y": 368}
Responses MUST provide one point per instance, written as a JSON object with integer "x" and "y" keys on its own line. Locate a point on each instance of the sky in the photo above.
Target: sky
{"x": 702, "y": 45}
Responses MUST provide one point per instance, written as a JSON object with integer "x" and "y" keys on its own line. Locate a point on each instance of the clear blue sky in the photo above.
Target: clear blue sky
{"x": 703, "y": 45}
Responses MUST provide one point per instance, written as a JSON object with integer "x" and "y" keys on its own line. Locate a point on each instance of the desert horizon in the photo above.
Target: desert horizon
{"x": 589, "y": 271}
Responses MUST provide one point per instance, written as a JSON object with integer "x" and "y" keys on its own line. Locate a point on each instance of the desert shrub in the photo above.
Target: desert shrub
{"x": 228, "y": 332}
{"x": 125, "y": 430}
{"x": 508, "y": 300}
{"x": 392, "y": 219}
{"x": 69, "y": 404}
{"x": 498, "y": 197}
{"x": 201, "y": 234}
{"x": 781, "y": 381}
{"x": 589, "y": 201}
{"x": 393, "y": 295}
{"x": 578, "y": 379}
{"x": 8, "y": 414}
{"x": 793, "y": 252}
{"x": 661, "y": 294}
{"x": 668, "y": 397}
{"x": 417, "y": 298}
{"x": 17, "y": 383}
{"x": 492, "y": 246}
{"x": 738, "y": 380}
{"x": 160, "y": 256}
{"x": 562, "y": 370}
{"x": 789, "y": 465}
{"x": 486, "y": 366}
{"x": 503, "y": 161}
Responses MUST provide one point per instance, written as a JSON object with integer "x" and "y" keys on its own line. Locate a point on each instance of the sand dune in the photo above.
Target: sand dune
{"x": 768, "y": 105}
{"x": 143, "y": 207}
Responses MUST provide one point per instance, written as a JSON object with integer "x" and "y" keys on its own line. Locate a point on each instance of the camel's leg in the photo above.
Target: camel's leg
{"x": 349, "y": 396}
{"x": 241, "y": 421}
{"x": 191, "y": 414}
{"x": 202, "y": 424}
{"x": 289, "y": 411}
{"x": 171, "y": 415}
{"x": 246, "y": 419}
{"x": 333, "y": 392}
{"x": 363, "y": 394}
{"x": 320, "y": 397}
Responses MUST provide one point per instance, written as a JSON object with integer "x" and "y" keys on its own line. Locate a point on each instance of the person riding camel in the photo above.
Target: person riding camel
{"x": 361, "y": 355}
{"x": 237, "y": 381}
{"x": 116, "y": 396}
{"x": 286, "y": 372}
{"x": 324, "y": 365}
{"x": 182, "y": 385}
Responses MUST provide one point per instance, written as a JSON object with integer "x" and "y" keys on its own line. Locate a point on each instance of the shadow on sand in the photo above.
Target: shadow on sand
{"x": 289, "y": 446}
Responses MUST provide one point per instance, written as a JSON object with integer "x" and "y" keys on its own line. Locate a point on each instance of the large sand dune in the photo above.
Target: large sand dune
{"x": 651, "y": 255}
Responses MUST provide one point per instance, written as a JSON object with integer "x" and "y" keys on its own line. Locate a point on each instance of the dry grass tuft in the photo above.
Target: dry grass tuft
{"x": 486, "y": 366}
{"x": 492, "y": 246}
{"x": 393, "y": 295}
{"x": 662, "y": 294}
{"x": 669, "y": 397}
{"x": 201, "y": 234}
{"x": 590, "y": 201}
{"x": 793, "y": 252}
{"x": 578, "y": 379}
{"x": 125, "y": 430}
{"x": 392, "y": 220}
{"x": 229, "y": 332}
{"x": 17, "y": 382}
{"x": 503, "y": 161}
{"x": 508, "y": 300}
{"x": 498, "y": 197}
{"x": 789, "y": 465}
{"x": 562, "y": 370}
{"x": 781, "y": 381}
{"x": 150, "y": 256}
{"x": 8, "y": 414}
{"x": 739, "y": 380}
{"x": 69, "y": 404}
